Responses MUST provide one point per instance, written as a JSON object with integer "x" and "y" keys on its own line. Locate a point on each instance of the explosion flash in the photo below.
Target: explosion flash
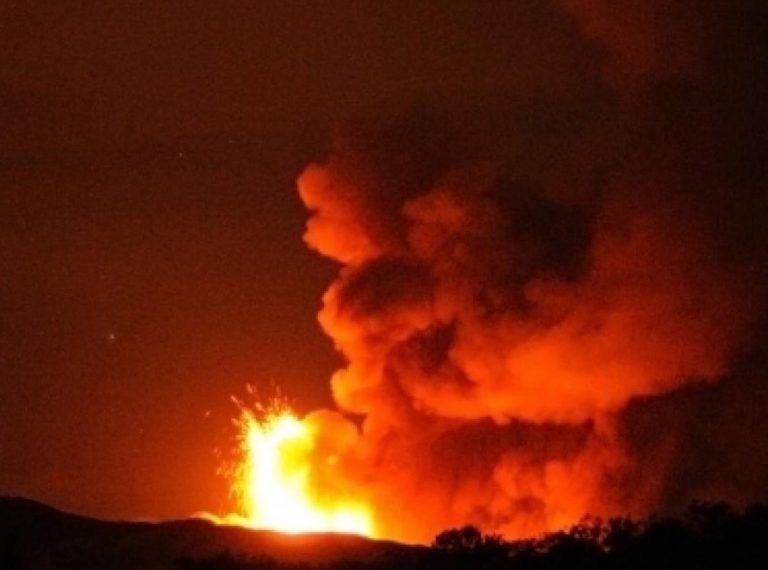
{"x": 275, "y": 482}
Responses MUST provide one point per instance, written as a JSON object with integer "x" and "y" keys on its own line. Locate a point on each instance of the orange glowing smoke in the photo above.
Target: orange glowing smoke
{"x": 518, "y": 282}
{"x": 275, "y": 480}
{"x": 495, "y": 330}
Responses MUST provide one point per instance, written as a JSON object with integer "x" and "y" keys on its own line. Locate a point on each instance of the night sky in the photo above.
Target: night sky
{"x": 151, "y": 253}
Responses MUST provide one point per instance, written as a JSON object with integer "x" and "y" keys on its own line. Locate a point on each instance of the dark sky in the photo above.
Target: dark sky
{"x": 151, "y": 258}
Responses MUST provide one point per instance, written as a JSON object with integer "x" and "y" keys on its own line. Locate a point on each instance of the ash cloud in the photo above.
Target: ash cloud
{"x": 528, "y": 282}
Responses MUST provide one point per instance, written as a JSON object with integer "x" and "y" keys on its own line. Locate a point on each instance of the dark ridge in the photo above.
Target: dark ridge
{"x": 35, "y": 536}
{"x": 710, "y": 536}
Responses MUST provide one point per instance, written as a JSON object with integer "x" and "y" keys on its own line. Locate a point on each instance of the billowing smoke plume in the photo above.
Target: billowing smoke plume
{"x": 511, "y": 285}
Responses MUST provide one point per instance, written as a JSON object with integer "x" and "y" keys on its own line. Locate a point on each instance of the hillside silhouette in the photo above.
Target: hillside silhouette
{"x": 709, "y": 536}
{"x": 34, "y": 536}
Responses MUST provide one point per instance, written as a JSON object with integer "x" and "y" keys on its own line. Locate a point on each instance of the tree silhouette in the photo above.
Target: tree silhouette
{"x": 459, "y": 539}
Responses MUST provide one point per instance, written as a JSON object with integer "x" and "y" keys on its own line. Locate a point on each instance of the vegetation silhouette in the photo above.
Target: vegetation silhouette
{"x": 709, "y": 536}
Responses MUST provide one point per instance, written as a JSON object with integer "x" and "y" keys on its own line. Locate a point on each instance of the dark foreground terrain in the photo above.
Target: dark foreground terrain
{"x": 709, "y": 536}
{"x": 34, "y": 536}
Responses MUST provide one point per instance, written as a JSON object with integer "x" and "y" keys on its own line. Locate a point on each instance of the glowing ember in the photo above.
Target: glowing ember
{"x": 275, "y": 480}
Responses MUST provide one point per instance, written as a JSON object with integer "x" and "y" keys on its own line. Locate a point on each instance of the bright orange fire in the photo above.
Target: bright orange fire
{"x": 275, "y": 480}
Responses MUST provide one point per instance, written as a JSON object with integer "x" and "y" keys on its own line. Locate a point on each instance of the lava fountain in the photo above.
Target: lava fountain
{"x": 275, "y": 479}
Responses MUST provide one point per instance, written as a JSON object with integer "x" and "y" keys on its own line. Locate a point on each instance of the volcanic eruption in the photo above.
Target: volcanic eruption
{"x": 280, "y": 480}
{"x": 499, "y": 304}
